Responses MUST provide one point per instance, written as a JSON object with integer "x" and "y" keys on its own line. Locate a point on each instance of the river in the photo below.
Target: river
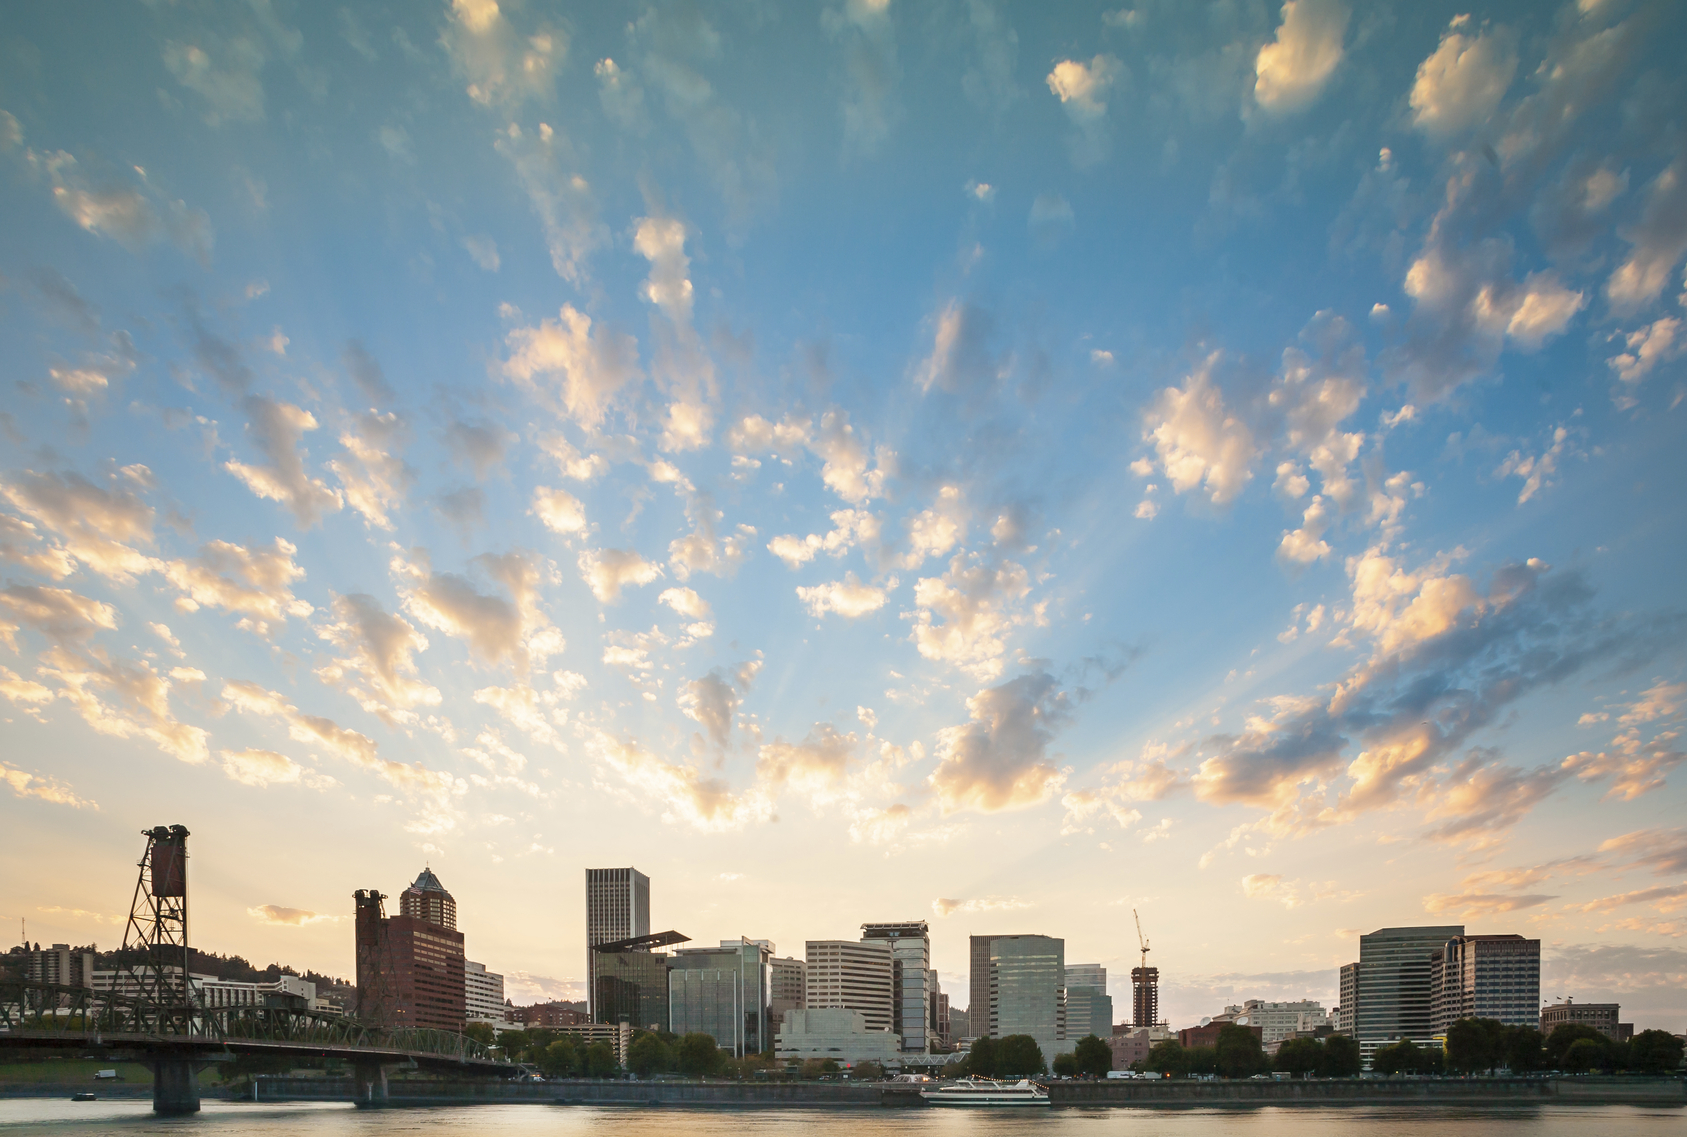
{"x": 61, "y": 1118}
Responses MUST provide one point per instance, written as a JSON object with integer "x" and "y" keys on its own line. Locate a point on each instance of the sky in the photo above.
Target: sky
{"x": 1011, "y": 466}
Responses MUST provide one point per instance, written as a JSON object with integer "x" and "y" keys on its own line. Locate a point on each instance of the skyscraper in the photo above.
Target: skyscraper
{"x": 1487, "y": 977}
{"x": 722, "y": 992}
{"x": 978, "y": 987}
{"x": 1028, "y": 990}
{"x": 1344, "y": 1019}
{"x": 617, "y": 908}
{"x": 1145, "y": 997}
{"x": 410, "y": 968}
{"x": 1089, "y": 1008}
{"x": 787, "y": 987}
{"x": 1394, "y": 985}
{"x": 851, "y": 975}
{"x": 910, "y": 959}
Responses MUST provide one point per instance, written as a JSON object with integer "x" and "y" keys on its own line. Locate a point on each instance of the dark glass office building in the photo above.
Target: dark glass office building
{"x": 1395, "y": 996}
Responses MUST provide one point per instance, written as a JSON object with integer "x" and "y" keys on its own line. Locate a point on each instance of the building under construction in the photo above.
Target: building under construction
{"x": 1145, "y": 985}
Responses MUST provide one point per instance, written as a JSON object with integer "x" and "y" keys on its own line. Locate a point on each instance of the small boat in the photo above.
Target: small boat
{"x": 987, "y": 1092}
{"x": 83, "y": 1095}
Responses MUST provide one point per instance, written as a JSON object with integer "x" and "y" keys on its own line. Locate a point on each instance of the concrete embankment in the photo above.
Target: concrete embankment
{"x": 1141, "y": 1093}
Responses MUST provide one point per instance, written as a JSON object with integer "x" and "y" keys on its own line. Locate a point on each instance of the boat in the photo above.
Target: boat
{"x": 83, "y": 1095}
{"x": 987, "y": 1092}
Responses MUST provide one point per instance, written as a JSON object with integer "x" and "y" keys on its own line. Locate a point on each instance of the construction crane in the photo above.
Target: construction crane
{"x": 1139, "y": 939}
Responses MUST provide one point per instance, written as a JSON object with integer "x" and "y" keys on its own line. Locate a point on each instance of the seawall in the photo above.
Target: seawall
{"x": 1131, "y": 1092}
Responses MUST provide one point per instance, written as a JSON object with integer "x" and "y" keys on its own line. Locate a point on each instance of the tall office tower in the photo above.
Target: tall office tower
{"x": 1089, "y": 1009}
{"x": 1344, "y": 1019}
{"x": 854, "y": 976}
{"x": 632, "y": 981}
{"x": 787, "y": 983}
{"x": 722, "y": 992}
{"x": 483, "y": 993}
{"x": 1394, "y": 979}
{"x": 617, "y": 908}
{"x": 1028, "y": 990}
{"x": 410, "y": 969}
{"x": 978, "y": 987}
{"x": 1145, "y": 997}
{"x": 59, "y": 964}
{"x": 910, "y": 961}
{"x": 427, "y": 899}
{"x": 1486, "y": 977}
{"x": 937, "y": 1020}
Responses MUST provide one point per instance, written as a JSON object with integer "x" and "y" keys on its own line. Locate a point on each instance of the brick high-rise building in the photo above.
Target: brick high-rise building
{"x": 410, "y": 968}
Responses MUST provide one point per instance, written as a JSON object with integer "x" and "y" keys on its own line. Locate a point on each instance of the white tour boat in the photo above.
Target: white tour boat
{"x": 987, "y": 1092}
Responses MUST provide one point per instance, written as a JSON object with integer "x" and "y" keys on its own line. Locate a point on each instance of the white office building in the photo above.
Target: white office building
{"x": 852, "y": 976}
{"x": 483, "y": 994}
{"x": 841, "y": 1035}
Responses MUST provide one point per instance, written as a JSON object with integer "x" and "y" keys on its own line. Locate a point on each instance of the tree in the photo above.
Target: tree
{"x": 1655, "y": 1052}
{"x": 1473, "y": 1045}
{"x": 513, "y": 1043}
{"x": 1201, "y": 1060}
{"x": 1019, "y": 1055}
{"x": 1402, "y": 1057}
{"x": 868, "y": 1071}
{"x": 480, "y": 1032}
{"x": 1520, "y": 1049}
{"x": 1066, "y": 1065}
{"x": 1167, "y": 1057}
{"x": 1340, "y": 1057}
{"x": 599, "y": 1060}
{"x": 1094, "y": 1056}
{"x": 1583, "y": 1055}
{"x": 698, "y": 1055}
{"x": 649, "y": 1055}
{"x": 1298, "y": 1056}
{"x": 559, "y": 1059}
{"x": 1565, "y": 1035}
{"x": 1239, "y": 1053}
{"x": 981, "y": 1060}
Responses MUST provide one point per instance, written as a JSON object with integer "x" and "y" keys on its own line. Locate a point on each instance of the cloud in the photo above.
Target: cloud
{"x": 849, "y": 598}
{"x": 1472, "y": 905}
{"x": 500, "y": 65}
{"x": 1648, "y": 346}
{"x": 585, "y": 369}
{"x": 989, "y": 78}
{"x": 1304, "y": 545}
{"x": 1320, "y": 386}
{"x": 278, "y": 916}
{"x": 62, "y": 616}
{"x": 816, "y": 766}
{"x": 851, "y": 526}
{"x": 549, "y": 170}
{"x": 1461, "y": 84}
{"x": 378, "y": 667}
{"x": 255, "y": 582}
{"x": 998, "y": 760}
{"x": 1124, "y": 783}
{"x": 1082, "y": 89}
{"x": 1664, "y": 851}
{"x": 1535, "y": 470}
{"x": 847, "y": 472}
{"x": 276, "y": 429}
{"x": 1291, "y": 71}
{"x": 261, "y": 768}
{"x": 960, "y": 359}
{"x": 962, "y": 617}
{"x": 122, "y": 699}
{"x": 682, "y": 793}
{"x": 1672, "y": 894}
{"x": 560, "y": 510}
{"x": 702, "y": 550}
{"x": 99, "y": 527}
{"x": 1634, "y": 767}
{"x": 374, "y": 478}
{"x": 686, "y": 602}
{"x": 495, "y": 628}
{"x": 477, "y": 445}
{"x": 868, "y": 38}
{"x": 573, "y": 464}
{"x": 608, "y": 571}
{"x": 1198, "y": 439}
{"x": 483, "y": 250}
{"x": 134, "y": 218}
{"x": 946, "y": 907}
{"x": 26, "y": 785}
{"x": 1659, "y": 240}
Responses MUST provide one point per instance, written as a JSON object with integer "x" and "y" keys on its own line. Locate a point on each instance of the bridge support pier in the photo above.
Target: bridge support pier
{"x": 371, "y": 1084}
{"x": 175, "y": 1085}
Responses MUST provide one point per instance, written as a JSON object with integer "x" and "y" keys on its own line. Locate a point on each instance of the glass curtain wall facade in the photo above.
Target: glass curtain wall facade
{"x": 632, "y": 987}
{"x": 617, "y": 908}
{"x": 910, "y": 960}
{"x": 1486, "y": 977}
{"x": 1395, "y": 1000}
{"x": 723, "y": 992}
{"x": 1028, "y": 990}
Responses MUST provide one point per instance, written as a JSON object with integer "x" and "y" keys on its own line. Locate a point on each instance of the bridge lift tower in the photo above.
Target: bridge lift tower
{"x": 157, "y": 933}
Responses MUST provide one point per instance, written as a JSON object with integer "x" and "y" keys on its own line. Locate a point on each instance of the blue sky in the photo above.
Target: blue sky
{"x": 993, "y": 464}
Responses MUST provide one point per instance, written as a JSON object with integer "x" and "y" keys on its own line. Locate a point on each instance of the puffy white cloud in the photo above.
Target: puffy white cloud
{"x": 24, "y": 784}
{"x": 1462, "y": 83}
{"x": 1536, "y": 470}
{"x": 754, "y": 434}
{"x": 707, "y": 804}
{"x": 59, "y": 614}
{"x": 580, "y": 467}
{"x": 1304, "y": 545}
{"x": 851, "y": 526}
{"x": 276, "y": 429}
{"x": 1198, "y": 439}
{"x": 1634, "y": 766}
{"x": 530, "y": 711}
{"x": 1321, "y": 385}
{"x": 818, "y": 766}
{"x": 686, "y": 602}
{"x": 255, "y": 582}
{"x": 661, "y": 241}
{"x": 846, "y": 471}
{"x": 1648, "y": 346}
{"x": 933, "y": 532}
{"x": 560, "y": 510}
{"x": 261, "y": 768}
{"x": 849, "y": 598}
{"x": 1291, "y": 70}
{"x": 134, "y": 218}
{"x": 499, "y": 64}
{"x": 974, "y": 604}
{"x": 378, "y": 668}
{"x": 1659, "y": 241}
{"x": 123, "y": 699}
{"x": 20, "y": 543}
{"x": 566, "y": 361}
{"x": 998, "y": 760}
{"x": 1400, "y": 608}
{"x": 607, "y": 571}
{"x": 703, "y": 550}
{"x": 1082, "y": 89}
{"x": 494, "y": 628}
{"x": 373, "y": 478}
{"x": 99, "y": 527}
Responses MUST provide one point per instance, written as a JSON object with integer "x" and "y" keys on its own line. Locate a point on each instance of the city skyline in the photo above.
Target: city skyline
{"x": 999, "y": 468}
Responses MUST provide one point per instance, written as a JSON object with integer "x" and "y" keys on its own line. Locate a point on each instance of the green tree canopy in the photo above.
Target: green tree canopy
{"x": 698, "y": 1055}
{"x": 1018, "y": 1055}
{"x": 1066, "y": 1065}
{"x": 1340, "y": 1057}
{"x": 981, "y": 1060}
{"x": 1093, "y": 1055}
{"x": 1655, "y": 1052}
{"x": 1520, "y": 1049}
{"x": 1298, "y": 1056}
{"x": 649, "y": 1055}
{"x": 1565, "y": 1035}
{"x": 600, "y": 1060}
{"x": 480, "y": 1032}
{"x": 1239, "y": 1052}
{"x": 868, "y": 1071}
{"x": 1403, "y": 1057}
{"x": 1201, "y": 1060}
{"x": 1167, "y": 1057}
{"x": 1475, "y": 1045}
{"x": 1583, "y": 1055}
{"x": 559, "y": 1059}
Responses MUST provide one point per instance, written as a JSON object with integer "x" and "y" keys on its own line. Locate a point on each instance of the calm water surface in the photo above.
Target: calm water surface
{"x": 224, "y": 1119}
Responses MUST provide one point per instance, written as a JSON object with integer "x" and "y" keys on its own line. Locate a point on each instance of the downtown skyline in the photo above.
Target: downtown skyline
{"x": 976, "y": 464}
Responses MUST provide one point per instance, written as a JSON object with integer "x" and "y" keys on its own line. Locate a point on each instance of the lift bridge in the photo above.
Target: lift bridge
{"x": 158, "y": 1019}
